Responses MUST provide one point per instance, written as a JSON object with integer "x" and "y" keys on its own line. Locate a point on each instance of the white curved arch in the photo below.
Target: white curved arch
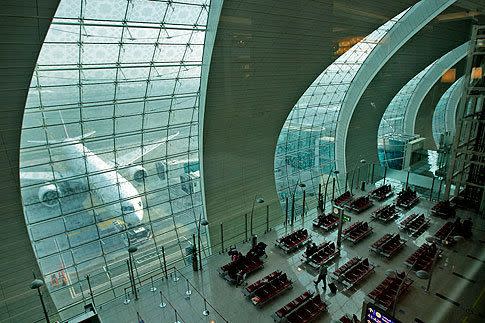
{"x": 400, "y": 114}
{"x": 444, "y": 116}
{"x": 435, "y": 71}
{"x": 413, "y": 21}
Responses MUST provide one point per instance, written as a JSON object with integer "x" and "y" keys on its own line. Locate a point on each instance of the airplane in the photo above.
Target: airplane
{"x": 103, "y": 177}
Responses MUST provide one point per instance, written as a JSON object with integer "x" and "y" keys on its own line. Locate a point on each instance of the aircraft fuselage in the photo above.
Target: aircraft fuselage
{"x": 105, "y": 182}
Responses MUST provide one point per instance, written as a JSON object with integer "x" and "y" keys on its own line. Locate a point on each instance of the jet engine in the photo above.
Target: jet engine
{"x": 49, "y": 195}
{"x": 138, "y": 173}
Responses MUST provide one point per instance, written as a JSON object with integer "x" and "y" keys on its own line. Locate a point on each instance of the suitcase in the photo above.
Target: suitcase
{"x": 333, "y": 288}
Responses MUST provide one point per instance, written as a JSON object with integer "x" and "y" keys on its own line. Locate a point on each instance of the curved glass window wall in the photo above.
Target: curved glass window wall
{"x": 305, "y": 148}
{"x": 109, "y": 149}
{"x": 397, "y": 124}
{"x": 445, "y": 113}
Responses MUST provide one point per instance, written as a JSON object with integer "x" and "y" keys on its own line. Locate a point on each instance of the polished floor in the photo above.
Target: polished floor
{"x": 456, "y": 291}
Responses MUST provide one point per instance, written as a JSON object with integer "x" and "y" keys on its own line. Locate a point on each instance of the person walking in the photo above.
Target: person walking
{"x": 322, "y": 275}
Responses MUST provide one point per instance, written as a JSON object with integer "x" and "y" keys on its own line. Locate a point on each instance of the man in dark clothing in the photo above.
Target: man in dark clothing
{"x": 322, "y": 275}
{"x": 467, "y": 228}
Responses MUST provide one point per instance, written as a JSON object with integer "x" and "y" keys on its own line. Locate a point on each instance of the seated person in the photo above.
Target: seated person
{"x": 240, "y": 277}
{"x": 310, "y": 249}
{"x": 467, "y": 228}
{"x": 458, "y": 226}
{"x": 257, "y": 251}
{"x": 236, "y": 256}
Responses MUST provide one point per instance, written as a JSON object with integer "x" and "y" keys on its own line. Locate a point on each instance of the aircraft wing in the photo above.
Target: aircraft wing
{"x": 132, "y": 156}
{"x": 39, "y": 176}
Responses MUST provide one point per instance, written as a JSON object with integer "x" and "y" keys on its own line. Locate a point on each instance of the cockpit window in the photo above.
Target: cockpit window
{"x": 127, "y": 208}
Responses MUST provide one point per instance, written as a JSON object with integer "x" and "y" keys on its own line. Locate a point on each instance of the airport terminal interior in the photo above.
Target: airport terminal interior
{"x": 242, "y": 161}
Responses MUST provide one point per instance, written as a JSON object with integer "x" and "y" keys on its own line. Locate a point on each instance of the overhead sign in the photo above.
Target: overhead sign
{"x": 374, "y": 314}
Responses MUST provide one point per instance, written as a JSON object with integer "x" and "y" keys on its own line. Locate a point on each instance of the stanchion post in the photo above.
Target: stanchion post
{"x": 162, "y": 303}
{"x": 205, "y": 312}
{"x": 127, "y": 300}
{"x": 188, "y": 292}
{"x": 152, "y": 288}
{"x": 175, "y": 278}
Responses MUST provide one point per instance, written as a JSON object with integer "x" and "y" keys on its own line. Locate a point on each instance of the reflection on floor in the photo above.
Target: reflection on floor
{"x": 456, "y": 291}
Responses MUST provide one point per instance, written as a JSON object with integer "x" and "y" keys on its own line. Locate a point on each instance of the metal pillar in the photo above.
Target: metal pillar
{"x": 333, "y": 189}
{"x": 292, "y": 209}
{"x": 339, "y": 232}
{"x": 372, "y": 173}
{"x": 164, "y": 262}
{"x": 407, "y": 180}
{"x": 195, "y": 261}
{"x": 303, "y": 206}
{"x": 88, "y": 280}
{"x": 467, "y": 160}
{"x": 432, "y": 188}
{"x": 286, "y": 210}
{"x": 346, "y": 180}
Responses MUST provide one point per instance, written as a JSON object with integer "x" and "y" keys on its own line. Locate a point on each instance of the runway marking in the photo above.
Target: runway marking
{"x": 463, "y": 277}
{"x": 475, "y": 258}
{"x": 448, "y": 299}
